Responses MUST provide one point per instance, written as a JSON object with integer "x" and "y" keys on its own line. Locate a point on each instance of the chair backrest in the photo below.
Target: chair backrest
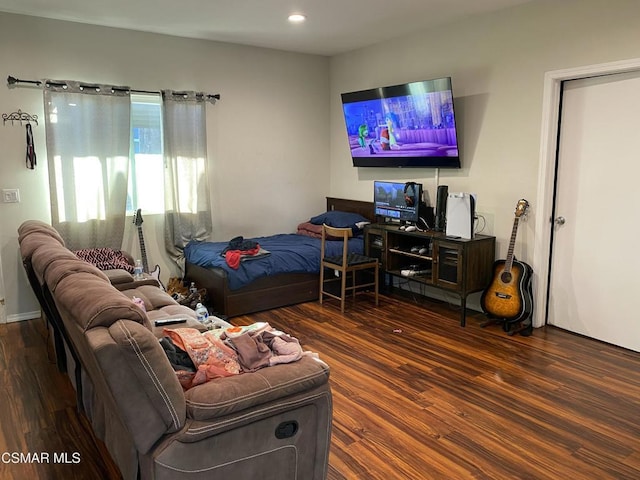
{"x": 333, "y": 233}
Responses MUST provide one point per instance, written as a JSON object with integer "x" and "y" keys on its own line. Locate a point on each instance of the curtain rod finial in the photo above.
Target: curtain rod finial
{"x": 12, "y": 80}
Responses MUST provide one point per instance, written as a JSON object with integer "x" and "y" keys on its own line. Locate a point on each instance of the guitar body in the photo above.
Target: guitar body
{"x": 509, "y": 296}
{"x": 156, "y": 276}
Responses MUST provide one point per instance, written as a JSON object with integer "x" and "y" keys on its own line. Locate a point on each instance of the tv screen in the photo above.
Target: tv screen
{"x": 409, "y": 125}
{"x": 397, "y": 201}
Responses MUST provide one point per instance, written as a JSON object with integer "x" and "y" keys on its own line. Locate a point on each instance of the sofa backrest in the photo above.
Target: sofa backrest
{"x": 78, "y": 287}
{"x": 37, "y": 226}
{"x": 91, "y": 300}
{"x": 111, "y": 336}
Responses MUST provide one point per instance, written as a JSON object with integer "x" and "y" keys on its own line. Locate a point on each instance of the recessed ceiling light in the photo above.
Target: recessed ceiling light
{"x": 297, "y": 18}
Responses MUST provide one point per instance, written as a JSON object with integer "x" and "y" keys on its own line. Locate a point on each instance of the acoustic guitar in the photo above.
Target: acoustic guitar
{"x": 137, "y": 220}
{"x": 509, "y": 298}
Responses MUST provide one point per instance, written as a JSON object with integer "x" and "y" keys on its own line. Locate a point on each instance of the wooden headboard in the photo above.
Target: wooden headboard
{"x": 356, "y": 206}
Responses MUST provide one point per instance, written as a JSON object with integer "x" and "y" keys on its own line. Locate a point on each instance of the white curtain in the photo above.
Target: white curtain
{"x": 187, "y": 207}
{"x": 88, "y": 131}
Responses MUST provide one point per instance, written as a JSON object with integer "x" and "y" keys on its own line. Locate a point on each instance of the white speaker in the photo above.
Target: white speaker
{"x": 460, "y": 214}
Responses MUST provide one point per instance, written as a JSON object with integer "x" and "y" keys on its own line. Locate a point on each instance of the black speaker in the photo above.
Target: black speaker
{"x": 427, "y": 216}
{"x": 441, "y": 208}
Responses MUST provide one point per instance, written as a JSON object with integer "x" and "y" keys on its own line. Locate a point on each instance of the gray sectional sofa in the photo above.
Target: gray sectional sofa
{"x": 272, "y": 424}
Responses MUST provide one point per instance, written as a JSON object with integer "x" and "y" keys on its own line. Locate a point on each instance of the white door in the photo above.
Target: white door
{"x": 594, "y": 284}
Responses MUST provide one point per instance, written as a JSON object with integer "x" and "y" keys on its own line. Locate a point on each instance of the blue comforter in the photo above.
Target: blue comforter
{"x": 289, "y": 253}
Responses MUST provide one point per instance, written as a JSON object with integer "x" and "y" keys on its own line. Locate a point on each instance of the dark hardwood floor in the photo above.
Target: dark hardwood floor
{"x": 415, "y": 397}
{"x": 41, "y": 434}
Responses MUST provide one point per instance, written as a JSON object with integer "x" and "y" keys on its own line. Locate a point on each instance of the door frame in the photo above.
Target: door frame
{"x": 3, "y": 312}
{"x": 547, "y": 171}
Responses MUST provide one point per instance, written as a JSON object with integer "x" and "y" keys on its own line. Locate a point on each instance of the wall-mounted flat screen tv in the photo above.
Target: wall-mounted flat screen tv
{"x": 409, "y": 125}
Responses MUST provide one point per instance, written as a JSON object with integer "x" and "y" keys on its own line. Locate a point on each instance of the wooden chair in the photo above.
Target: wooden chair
{"x": 347, "y": 264}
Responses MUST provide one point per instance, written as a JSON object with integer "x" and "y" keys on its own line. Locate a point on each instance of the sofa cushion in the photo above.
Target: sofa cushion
{"x": 60, "y": 267}
{"x": 41, "y": 252}
{"x": 31, "y": 243}
{"x": 223, "y": 396}
{"x": 160, "y": 305}
{"x": 36, "y": 226}
{"x": 153, "y": 296}
{"x": 177, "y": 311}
{"x": 92, "y": 301}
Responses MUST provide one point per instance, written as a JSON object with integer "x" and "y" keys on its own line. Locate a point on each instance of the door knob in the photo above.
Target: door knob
{"x": 559, "y": 221}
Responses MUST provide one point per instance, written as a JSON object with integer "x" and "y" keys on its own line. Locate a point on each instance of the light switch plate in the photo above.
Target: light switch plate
{"x": 11, "y": 195}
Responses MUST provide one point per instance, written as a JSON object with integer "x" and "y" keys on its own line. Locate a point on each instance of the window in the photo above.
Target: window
{"x": 146, "y": 174}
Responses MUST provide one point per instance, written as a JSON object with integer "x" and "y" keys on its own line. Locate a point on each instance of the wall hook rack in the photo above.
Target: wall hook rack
{"x": 19, "y": 116}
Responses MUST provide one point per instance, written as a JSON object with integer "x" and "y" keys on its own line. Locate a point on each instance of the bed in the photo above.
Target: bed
{"x": 274, "y": 290}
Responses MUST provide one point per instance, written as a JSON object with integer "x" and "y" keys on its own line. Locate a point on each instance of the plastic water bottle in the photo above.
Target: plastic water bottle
{"x": 138, "y": 270}
{"x": 202, "y": 314}
{"x": 193, "y": 288}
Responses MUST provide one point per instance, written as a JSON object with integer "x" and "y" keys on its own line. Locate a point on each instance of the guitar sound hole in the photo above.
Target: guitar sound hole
{"x": 506, "y": 277}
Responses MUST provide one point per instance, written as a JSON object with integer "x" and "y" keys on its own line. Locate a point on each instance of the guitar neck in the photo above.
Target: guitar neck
{"x": 512, "y": 243}
{"x": 143, "y": 251}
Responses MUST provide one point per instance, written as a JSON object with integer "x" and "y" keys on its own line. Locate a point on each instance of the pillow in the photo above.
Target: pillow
{"x": 338, "y": 219}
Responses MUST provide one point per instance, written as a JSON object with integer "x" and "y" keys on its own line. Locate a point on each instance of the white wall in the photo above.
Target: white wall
{"x": 267, "y": 137}
{"x": 497, "y": 64}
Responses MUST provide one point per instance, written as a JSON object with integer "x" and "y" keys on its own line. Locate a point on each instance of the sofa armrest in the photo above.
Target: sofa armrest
{"x": 118, "y": 276}
{"x": 130, "y": 283}
{"x": 224, "y": 396}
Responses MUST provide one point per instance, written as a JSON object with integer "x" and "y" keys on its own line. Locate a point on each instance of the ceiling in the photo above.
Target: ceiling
{"x": 332, "y": 26}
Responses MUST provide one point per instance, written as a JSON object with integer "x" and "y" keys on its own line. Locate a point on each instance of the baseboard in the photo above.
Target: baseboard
{"x": 19, "y": 317}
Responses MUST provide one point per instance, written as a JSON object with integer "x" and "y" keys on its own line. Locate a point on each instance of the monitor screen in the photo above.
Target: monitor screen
{"x": 397, "y": 201}
{"x": 408, "y": 125}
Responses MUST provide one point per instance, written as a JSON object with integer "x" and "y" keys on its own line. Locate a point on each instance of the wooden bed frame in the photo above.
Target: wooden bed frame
{"x": 267, "y": 292}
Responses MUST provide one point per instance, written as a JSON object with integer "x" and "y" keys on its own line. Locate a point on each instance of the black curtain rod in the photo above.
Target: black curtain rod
{"x": 13, "y": 80}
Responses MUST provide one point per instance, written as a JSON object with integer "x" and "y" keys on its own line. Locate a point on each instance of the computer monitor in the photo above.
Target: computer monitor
{"x": 397, "y": 201}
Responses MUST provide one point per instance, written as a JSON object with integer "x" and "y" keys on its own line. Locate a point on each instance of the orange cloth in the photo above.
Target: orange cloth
{"x": 211, "y": 357}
